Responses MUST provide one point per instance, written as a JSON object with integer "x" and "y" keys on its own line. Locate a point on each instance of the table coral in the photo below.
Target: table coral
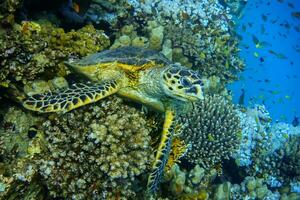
{"x": 212, "y": 130}
{"x": 96, "y": 151}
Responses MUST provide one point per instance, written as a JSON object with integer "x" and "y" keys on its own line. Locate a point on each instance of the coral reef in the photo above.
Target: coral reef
{"x": 20, "y": 141}
{"x": 269, "y": 151}
{"x": 253, "y": 188}
{"x": 199, "y": 34}
{"x": 189, "y": 184}
{"x": 36, "y": 50}
{"x": 96, "y": 152}
{"x": 7, "y": 10}
{"x": 110, "y": 12}
{"x": 212, "y": 131}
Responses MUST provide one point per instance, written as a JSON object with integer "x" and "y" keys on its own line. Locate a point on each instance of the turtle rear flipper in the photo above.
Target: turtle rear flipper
{"x": 163, "y": 151}
{"x": 65, "y": 100}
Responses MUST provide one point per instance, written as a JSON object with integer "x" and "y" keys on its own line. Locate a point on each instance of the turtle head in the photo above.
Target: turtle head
{"x": 183, "y": 84}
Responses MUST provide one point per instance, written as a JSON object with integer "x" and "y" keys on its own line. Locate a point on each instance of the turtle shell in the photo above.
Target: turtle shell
{"x": 126, "y": 55}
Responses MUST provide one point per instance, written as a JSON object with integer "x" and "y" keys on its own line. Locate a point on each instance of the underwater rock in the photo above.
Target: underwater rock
{"x": 253, "y": 188}
{"x": 125, "y": 40}
{"x": 167, "y": 49}
{"x": 140, "y": 42}
{"x": 222, "y": 192}
{"x": 156, "y": 38}
{"x": 189, "y": 184}
{"x": 178, "y": 180}
{"x": 212, "y": 130}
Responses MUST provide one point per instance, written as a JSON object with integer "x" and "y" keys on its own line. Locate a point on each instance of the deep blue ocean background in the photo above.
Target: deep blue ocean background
{"x": 270, "y": 79}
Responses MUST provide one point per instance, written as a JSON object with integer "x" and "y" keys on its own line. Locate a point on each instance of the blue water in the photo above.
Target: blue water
{"x": 268, "y": 79}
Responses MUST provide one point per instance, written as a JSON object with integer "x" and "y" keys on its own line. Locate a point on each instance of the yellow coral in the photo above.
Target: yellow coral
{"x": 30, "y": 27}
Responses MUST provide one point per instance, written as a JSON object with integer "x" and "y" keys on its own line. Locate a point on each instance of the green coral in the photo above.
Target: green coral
{"x": 37, "y": 50}
{"x": 212, "y": 130}
{"x": 96, "y": 151}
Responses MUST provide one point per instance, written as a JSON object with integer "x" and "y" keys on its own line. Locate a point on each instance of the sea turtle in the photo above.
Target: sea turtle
{"x": 142, "y": 75}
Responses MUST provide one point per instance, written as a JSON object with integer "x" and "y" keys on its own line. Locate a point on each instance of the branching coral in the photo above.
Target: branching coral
{"x": 212, "y": 130}
{"x": 96, "y": 151}
{"x": 31, "y": 50}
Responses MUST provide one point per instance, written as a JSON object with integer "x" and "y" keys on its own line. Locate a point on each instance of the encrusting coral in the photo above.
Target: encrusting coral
{"x": 212, "y": 131}
{"x": 35, "y": 50}
{"x": 96, "y": 151}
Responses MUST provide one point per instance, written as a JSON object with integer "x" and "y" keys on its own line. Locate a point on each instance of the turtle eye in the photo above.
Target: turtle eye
{"x": 185, "y": 82}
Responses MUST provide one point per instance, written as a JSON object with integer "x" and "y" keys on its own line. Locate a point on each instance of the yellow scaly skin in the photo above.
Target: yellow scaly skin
{"x": 162, "y": 151}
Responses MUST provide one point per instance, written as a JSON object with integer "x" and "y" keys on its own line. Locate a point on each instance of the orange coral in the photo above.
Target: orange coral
{"x": 178, "y": 149}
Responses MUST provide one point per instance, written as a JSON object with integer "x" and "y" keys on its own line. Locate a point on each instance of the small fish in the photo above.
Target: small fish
{"x": 295, "y": 121}
{"x": 263, "y": 44}
{"x": 286, "y": 25}
{"x": 296, "y": 48}
{"x": 256, "y": 55}
{"x": 296, "y": 14}
{"x": 283, "y": 117}
{"x": 239, "y": 37}
{"x": 267, "y": 80}
{"x": 273, "y": 21}
{"x": 264, "y": 17}
{"x": 291, "y": 5}
{"x": 288, "y": 97}
{"x": 274, "y": 92}
{"x": 250, "y": 24}
{"x": 280, "y": 1}
{"x": 281, "y": 56}
{"x": 262, "y": 97}
{"x": 259, "y": 44}
{"x": 255, "y": 39}
{"x": 246, "y": 46}
{"x": 278, "y": 55}
{"x": 242, "y": 98}
{"x": 244, "y": 27}
{"x": 297, "y": 28}
{"x": 261, "y": 59}
{"x": 262, "y": 29}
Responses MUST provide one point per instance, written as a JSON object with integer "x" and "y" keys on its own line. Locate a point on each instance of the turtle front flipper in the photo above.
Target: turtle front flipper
{"x": 65, "y": 100}
{"x": 163, "y": 151}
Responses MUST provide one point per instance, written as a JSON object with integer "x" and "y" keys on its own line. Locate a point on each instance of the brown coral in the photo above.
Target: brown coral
{"x": 96, "y": 151}
{"x": 213, "y": 52}
{"x": 212, "y": 130}
{"x": 32, "y": 50}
